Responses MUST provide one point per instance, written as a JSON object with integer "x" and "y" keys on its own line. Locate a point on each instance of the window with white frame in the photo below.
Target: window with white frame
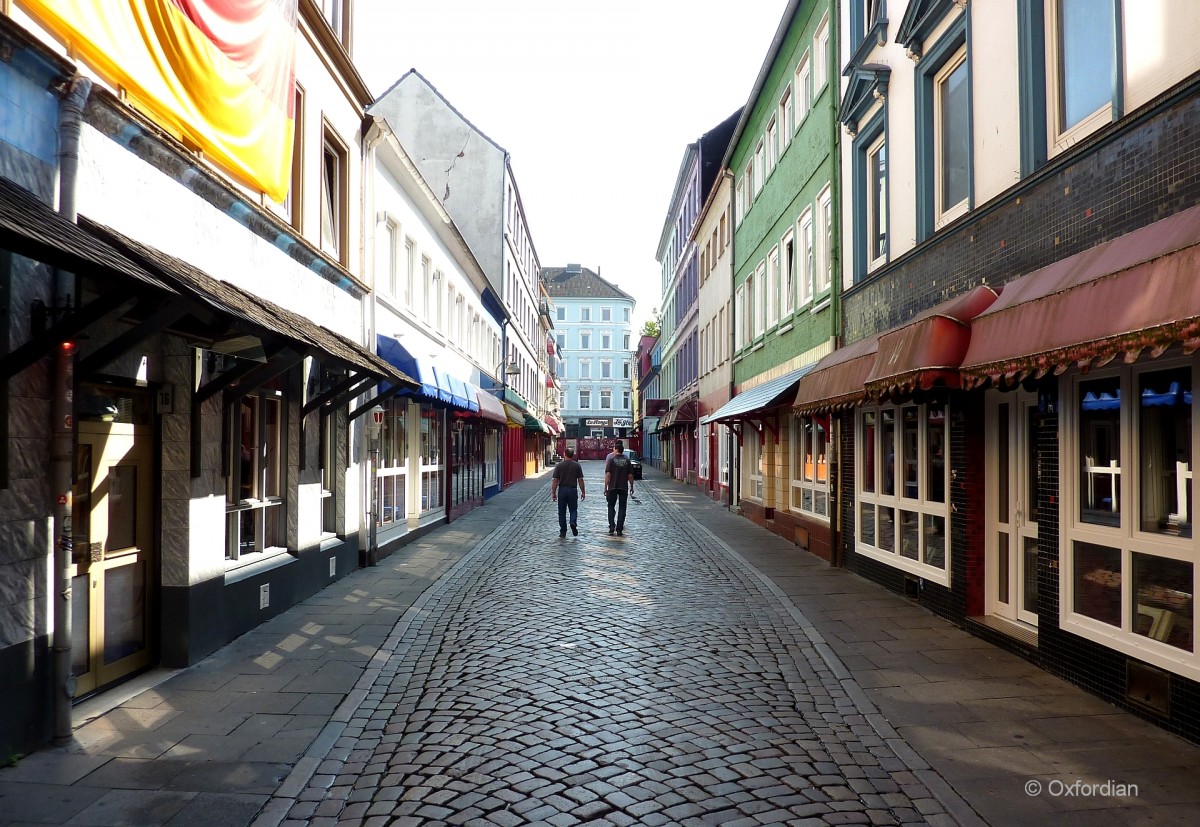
{"x": 625, "y": 400}
{"x": 606, "y": 368}
{"x": 605, "y": 340}
{"x": 391, "y": 475}
{"x": 561, "y": 339}
{"x": 702, "y": 454}
{"x": 585, "y": 398}
{"x": 787, "y": 118}
{"x": 585, "y": 314}
{"x": 810, "y": 465}
{"x": 255, "y": 517}
{"x": 625, "y": 314}
{"x": 1081, "y": 40}
{"x": 752, "y": 460}
{"x": 625, "y": 341}
{"x": 772, "y": 296}
{"x": 410, "y": 273}
{"x": 740, "y": 316}
{"x": 763, "y": 292}
{"x": 606, "y": 399}
{"x": 562, "y": 400}
{"x": 902, "y": 513}
{"x": 760, "y": 167}
{"x": 951, "y": 139}
{"x": 334, "y": 196}
{"x": 389, "y": 266}
{"x": 820, "y": 55}
{"x": 751, "y": 189}
{"x": 585, "y": 368}
{"x": 788, "y": 286}
{"x": 427, "y": 289}
{"x": 585, "y": 340}
{"x": 823, "y": 276}
{"x": 751, "y": 317}
{"x": 432, "y": 460}
{"x": 1129, "y": 549}
{"x": 439, "y": 278}
{"x": 740, "y": 201}
{"x": 772, "y": 146}
{"x": 625, "y": 369}
{"x": 560, "y": 314}
{"x": 606, "y": 314}
{"x": 723, "y": 454}
{"x": 803, "y": 89}
{"x": 807, "y": 258}
{"x": 877, "y": 203}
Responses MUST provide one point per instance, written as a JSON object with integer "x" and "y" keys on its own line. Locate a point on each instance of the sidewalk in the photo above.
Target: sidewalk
{"x": 1011, "y": 739}
{"x": 213, "y": 744}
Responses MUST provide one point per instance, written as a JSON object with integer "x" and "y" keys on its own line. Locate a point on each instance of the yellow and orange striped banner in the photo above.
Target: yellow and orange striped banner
{"x": 220, "y": 73}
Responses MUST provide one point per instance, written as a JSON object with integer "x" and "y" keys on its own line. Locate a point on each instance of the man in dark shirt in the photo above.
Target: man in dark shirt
{"x": 618, "y": 485}
{"x": 567, "y": 488}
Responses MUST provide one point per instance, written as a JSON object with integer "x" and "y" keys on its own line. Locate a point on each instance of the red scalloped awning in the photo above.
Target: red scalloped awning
{"x": 1139, "y": 291}
{"x": 928, "y": 351}
{"x": 837, "y": 380}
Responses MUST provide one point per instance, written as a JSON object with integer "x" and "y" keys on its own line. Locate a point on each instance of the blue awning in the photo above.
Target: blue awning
{"x": 472, "y": 397}
{"x": 767, "y": 395}
{"x": 397, "y": 355}
{"x": 458, "y": 391}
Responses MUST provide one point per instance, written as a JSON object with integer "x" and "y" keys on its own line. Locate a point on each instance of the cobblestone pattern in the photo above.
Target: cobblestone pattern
{"x": 647, "y": 679}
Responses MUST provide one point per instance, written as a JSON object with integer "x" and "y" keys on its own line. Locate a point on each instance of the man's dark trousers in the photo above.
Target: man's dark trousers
{"x": 567, "y": 498}
{"x": 617, "y": 498}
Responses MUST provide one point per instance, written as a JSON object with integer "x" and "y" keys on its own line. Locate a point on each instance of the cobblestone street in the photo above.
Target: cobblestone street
{"x": 644, "y": 679}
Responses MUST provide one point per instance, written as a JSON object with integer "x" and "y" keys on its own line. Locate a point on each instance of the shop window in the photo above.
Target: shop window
{"x": 752, "y": 457}
{"x": 901, "y": 484}
{"x": 810, "y": 468}
{"x": 392, "y": 474}
{"x": 1131, "y": 561}
{"x": 254, "y": 487}
{"x": 432, "y": 468}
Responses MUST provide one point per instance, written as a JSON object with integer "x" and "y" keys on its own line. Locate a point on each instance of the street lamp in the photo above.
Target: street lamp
{"x": 511, "y": 369}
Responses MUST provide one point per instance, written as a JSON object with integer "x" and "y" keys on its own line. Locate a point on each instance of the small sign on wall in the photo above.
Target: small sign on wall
{"x": 166, "y": 399}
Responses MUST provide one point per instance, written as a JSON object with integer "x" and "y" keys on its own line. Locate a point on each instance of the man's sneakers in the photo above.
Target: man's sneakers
{"x": 611, "y": 531}
{"x": 620, "y": 532}
{"x": 575, "y": 530}
{"x": 562, "y": 533}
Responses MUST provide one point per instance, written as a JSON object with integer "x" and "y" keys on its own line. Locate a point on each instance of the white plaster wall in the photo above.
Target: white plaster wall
{"x": 392, "y": 316}
{"x": 120, "y": 190}
{"x": 996, "y": 147}
{"x": 1160, "y": 46}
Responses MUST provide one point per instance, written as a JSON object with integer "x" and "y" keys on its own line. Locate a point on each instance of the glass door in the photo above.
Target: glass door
{"x": 112, "y": 566}
{"x": 1012, "y": 509}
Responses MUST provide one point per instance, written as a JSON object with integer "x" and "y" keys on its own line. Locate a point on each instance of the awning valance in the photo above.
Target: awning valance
{"x": 532, "y": 423}
{"x": 753, "y": 402}
{"x": 554, "y": 425}
{"x": 1137, "y": 292}
{"x": 838, "y": 380}
{"x": 490, "y": 407}
{"x": 928, "y": 350}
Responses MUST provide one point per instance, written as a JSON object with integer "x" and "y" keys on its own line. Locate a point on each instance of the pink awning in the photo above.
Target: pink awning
{"x": 490, "y": 407}
{"x": 929, "y": 349}
{"x": 1139, "y": 291}
{"x": 837, "y": 381}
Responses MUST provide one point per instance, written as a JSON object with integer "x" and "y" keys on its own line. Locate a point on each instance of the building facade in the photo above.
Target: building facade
{"x": 714, "y": 237}
{"x": 1013, "y": 403}
{"x": 593, "y": 329}
{"x": 474, "y": 179}
{"x": 187, "y": 371}
{"x": 786, "y": 282}
{"x": 679, "y": 257}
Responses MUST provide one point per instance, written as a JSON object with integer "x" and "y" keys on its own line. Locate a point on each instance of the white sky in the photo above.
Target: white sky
{"x": 595, "y": 100}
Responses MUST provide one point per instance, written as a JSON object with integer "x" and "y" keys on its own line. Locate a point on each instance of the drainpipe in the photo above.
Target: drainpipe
{"x": 835, "y": 422}
{"x": 733, "y": 463}
{"x": 70, "y": 118}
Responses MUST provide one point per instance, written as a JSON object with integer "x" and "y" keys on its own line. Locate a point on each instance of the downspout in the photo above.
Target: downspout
{"x": 733, "y": 458}
{"x": 835, "y": 421}
{"x": 62, "y": 449}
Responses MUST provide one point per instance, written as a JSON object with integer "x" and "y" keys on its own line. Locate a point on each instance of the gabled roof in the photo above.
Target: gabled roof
{"x": 414, "y": 73}
{"x": 579, "y": 283}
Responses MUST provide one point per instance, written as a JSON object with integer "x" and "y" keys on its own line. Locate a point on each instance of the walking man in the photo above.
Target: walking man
{"x": 618, "y": 485}
{"x": 567, "y": 488}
